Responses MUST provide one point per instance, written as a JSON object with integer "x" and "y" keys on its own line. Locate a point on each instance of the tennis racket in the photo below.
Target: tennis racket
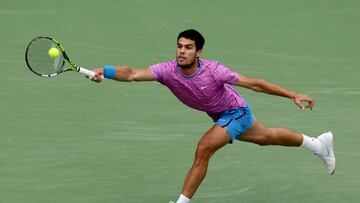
{"x": 41, "y": 63}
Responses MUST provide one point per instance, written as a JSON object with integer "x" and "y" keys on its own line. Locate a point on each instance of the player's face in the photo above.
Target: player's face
{"x": 186, "y": 54}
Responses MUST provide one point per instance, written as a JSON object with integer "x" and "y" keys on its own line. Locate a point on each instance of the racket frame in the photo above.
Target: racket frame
{"x": 73, "y": 66}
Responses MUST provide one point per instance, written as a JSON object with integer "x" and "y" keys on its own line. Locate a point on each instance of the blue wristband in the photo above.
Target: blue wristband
{"x": 109, "y": 72}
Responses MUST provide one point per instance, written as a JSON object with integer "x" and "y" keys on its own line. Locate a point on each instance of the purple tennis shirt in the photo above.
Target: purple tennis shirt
{"x": 208, "y": 89}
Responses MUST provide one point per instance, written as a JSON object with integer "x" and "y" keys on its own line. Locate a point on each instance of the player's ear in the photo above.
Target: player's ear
{"x": 198, "y": 53}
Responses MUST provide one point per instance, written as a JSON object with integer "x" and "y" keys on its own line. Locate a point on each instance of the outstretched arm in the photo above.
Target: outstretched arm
{"x": 126, "y": 74}
{"x": 260, "y": 85}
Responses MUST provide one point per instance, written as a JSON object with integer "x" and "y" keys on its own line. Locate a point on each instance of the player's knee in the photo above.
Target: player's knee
{"x": 203, "y": 151}
{"x": 266, "y": 139}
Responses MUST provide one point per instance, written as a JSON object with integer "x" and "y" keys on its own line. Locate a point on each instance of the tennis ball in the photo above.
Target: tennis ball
{"x": 54, "y": 52}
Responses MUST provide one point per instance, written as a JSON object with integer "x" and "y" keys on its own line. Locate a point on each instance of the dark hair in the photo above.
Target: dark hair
{"x": 193, "y": 35}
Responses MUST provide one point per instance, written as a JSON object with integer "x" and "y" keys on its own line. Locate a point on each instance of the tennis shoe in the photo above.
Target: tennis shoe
{"x": 327, "y": 152}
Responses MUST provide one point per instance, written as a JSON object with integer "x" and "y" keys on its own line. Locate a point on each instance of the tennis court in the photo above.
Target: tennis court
{"x": 66, "y": 139}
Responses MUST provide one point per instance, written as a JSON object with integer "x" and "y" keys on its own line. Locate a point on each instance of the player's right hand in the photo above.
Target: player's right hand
{"x": 99, "y": 75}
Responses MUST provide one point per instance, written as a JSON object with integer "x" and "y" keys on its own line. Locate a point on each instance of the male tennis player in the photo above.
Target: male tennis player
{"x": 205, "y": 85}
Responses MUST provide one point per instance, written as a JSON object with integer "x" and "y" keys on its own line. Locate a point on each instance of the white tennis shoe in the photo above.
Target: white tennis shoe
{"x": 327, "y": 153}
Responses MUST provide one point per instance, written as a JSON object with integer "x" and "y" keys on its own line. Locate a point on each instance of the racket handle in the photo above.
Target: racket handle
{"x": 87, "y": 72}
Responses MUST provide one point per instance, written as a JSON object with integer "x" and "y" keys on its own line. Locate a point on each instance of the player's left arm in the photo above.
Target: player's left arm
{"x": 260, "y": 85}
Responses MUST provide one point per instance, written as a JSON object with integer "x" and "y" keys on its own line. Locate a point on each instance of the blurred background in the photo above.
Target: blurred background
{"x": 66, "y": 139}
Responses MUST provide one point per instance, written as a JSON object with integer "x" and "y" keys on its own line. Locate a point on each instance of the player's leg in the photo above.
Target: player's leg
{"x": 321, "y": 146}
{"x": 261, "y": 135}
{"x": 211, "y": 141}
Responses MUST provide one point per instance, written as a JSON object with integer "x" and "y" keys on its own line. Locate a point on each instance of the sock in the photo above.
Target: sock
{"x": 311, "y": 143}
{"x": 183, "y": 199}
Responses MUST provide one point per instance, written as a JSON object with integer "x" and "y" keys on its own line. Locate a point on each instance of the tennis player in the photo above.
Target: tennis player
{"x": 205, "y": 85}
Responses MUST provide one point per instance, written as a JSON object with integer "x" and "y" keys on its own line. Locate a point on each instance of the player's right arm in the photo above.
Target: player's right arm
{"x": 126, "y": 74}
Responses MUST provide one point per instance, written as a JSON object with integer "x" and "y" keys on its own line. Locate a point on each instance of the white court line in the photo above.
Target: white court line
{"x": 225, "y": 194}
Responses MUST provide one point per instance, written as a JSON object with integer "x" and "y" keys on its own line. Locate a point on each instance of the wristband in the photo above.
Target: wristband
{"x": 109, "y": 72}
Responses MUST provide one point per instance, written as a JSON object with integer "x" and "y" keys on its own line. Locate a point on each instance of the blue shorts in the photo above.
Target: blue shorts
{"x": 237, "y": 121}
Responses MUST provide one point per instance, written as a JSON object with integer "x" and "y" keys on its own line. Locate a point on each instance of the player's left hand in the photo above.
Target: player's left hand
{"x": 299, "y": 98}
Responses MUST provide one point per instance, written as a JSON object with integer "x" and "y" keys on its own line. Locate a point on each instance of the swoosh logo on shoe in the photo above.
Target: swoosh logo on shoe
{"x": 328, "y": 152}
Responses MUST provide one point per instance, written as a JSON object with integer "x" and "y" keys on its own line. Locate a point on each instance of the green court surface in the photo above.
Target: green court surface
{"x": 66, "y": 139}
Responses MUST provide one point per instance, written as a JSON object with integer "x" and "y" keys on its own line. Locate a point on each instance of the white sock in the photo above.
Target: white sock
{"x": 311, "y": 143}
{"x": 183, "y": 199}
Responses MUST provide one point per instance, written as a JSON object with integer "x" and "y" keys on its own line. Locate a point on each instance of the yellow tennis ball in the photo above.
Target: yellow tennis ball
{"x": 54, "y": 52}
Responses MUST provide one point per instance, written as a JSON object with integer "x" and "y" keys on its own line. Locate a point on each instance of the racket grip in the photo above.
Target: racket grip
{"x": 87, "y": 72}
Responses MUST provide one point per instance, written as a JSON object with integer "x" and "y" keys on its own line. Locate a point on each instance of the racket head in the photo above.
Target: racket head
{"x": 39, "y": 61}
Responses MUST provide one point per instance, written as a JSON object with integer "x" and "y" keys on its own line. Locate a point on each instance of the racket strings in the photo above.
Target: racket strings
{"x": 39, "y": 60}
